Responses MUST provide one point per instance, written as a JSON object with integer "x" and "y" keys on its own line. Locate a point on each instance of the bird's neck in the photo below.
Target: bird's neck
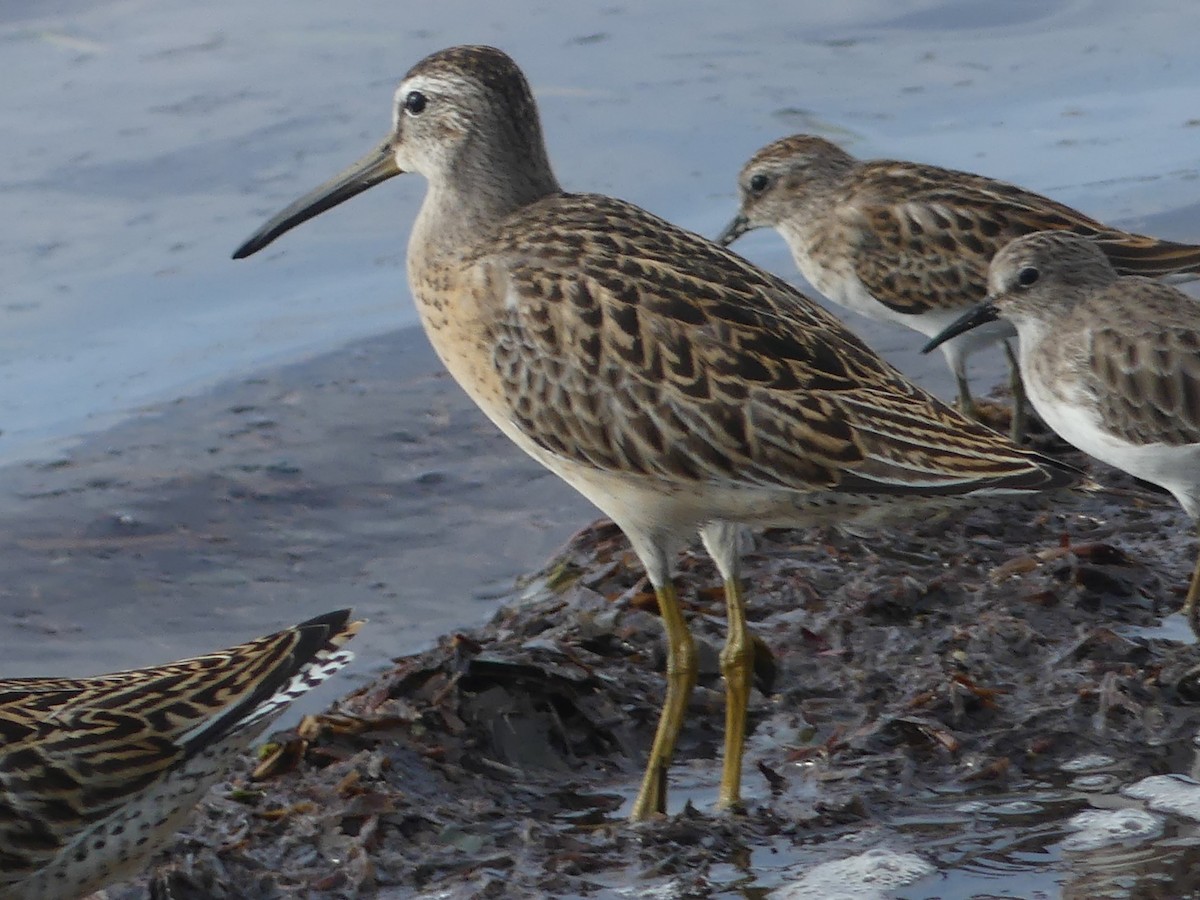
{"x": 467, "y": 202}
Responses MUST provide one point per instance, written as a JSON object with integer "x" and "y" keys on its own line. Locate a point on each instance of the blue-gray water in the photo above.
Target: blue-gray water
{"x": 143, "y": 140}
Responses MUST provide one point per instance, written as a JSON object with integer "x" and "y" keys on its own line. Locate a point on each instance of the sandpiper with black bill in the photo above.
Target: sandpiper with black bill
{"x": 96, "y": 774}
{"x": 909, "y": 243}
{"x": 675, "y": 385}
{"x": 1111, "y": 363}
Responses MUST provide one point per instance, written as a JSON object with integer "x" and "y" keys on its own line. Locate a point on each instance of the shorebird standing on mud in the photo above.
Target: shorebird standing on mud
{"x": 1112, "y": 363}
{"x": 675, "y": 385}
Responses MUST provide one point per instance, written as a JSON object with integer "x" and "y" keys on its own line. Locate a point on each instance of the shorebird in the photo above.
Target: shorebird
{"x": 909, "y": 243}
{"x": 1111, "y": 363}
{"x": 675, "y": 385}
{"x": 97, "y": 773}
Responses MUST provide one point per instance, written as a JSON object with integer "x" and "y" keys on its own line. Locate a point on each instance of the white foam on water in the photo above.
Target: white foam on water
{"x": 1096, "y": 828}
{"x": 1089, "y": 762}
{"x": 973, "y": 806}
{"x": 1176, "y": 794}
{"x": 1097, "y": 782}
{"x": 1017, "y": 808}
{"x": 866, "y": 876}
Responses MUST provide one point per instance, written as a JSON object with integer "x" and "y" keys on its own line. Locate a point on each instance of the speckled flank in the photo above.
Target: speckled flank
{"x": 97, "y": 773}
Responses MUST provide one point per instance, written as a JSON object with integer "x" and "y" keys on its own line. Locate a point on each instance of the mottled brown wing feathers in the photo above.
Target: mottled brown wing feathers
{"x": 636, "y": 346}
{"x": 1147, "y": 378}
{"x": 926, "y": 235}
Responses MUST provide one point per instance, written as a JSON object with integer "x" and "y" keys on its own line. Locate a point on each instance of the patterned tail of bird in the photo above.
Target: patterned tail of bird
{"x": 1135, "y": 254}
{"x": 97, "y": 773}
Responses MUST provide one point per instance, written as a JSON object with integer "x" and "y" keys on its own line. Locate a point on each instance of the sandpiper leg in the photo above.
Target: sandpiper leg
{"x": 1019, "y": 424}
{"x": 681, "y": 677}
{"x": 1191, "y": 607}
{"x": 964, "y": 402}
{"x": 737, "y": 667}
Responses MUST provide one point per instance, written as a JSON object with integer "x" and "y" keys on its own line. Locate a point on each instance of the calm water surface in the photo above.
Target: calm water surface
{"x": 142, "y": 141}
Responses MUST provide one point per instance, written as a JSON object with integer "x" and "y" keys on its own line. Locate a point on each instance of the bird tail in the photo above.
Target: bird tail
{"x": 275, "y": 670}
{"x": 1136, "y": 254}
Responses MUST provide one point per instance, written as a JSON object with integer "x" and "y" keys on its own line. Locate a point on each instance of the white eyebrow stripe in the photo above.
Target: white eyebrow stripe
{"x": 430, "y": 84}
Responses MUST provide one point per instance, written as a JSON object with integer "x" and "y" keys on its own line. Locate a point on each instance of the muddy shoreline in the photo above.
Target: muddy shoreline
{"x": 928, "y": 689}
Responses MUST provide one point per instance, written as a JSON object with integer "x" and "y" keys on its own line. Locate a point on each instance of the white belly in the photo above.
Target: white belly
{"x": 848, "y": 291}
{"x": 1075, "y": 420}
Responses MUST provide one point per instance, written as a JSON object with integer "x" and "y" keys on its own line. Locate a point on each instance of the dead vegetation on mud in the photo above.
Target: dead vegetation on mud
{"x": 973, "y": 653}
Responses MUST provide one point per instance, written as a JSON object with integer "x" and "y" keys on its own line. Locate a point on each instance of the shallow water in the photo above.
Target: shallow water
{"x": 142, "y": 141}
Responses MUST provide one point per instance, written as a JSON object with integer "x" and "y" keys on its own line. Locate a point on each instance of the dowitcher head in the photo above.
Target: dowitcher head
{"x": 465, "y": 119}
{"x": 783, "y": 180}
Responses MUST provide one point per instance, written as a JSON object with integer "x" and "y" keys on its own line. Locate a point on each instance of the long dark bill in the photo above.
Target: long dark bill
{"x": 734, "y": 230}
{"x": 377, "y": 166}
{"x": 980, "y": 315}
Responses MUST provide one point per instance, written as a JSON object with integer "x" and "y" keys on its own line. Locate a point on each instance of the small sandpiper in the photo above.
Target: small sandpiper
{"x": 97, "y": 773}
{"x": 675, "y": 385}
{"x": 1111, "y": 363}
{"x": 909, "y": 243}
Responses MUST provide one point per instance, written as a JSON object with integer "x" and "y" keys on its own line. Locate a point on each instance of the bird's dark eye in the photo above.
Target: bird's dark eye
{"x": 1027, "y": 276}
{"x": 415, "y": 102}
{"x": 759, "y": 182}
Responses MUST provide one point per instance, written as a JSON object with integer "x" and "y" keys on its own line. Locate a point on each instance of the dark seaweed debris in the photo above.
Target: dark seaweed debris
{"x": 971, "y": 655}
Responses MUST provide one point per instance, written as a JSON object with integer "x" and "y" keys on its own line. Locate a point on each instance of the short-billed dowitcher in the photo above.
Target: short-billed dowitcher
{"x": 1111, "y": 363}
{"x": 909, "y": 243}
{"x": 675, "y": 385}
{"x": 97, "y": 773}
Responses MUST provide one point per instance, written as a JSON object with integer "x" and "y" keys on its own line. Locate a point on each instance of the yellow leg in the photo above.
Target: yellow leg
{"x": 737, "y": 667}
{"x": 681, "y": 677}
{"x": 1190, "y": 609}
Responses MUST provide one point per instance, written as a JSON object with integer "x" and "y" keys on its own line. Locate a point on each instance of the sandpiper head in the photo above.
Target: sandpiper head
{"x": 464, "y": 114}
{"x": 780, "y": 178}
{"x": 1030, "y": 274}
{"x": 1029, "y": 267}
